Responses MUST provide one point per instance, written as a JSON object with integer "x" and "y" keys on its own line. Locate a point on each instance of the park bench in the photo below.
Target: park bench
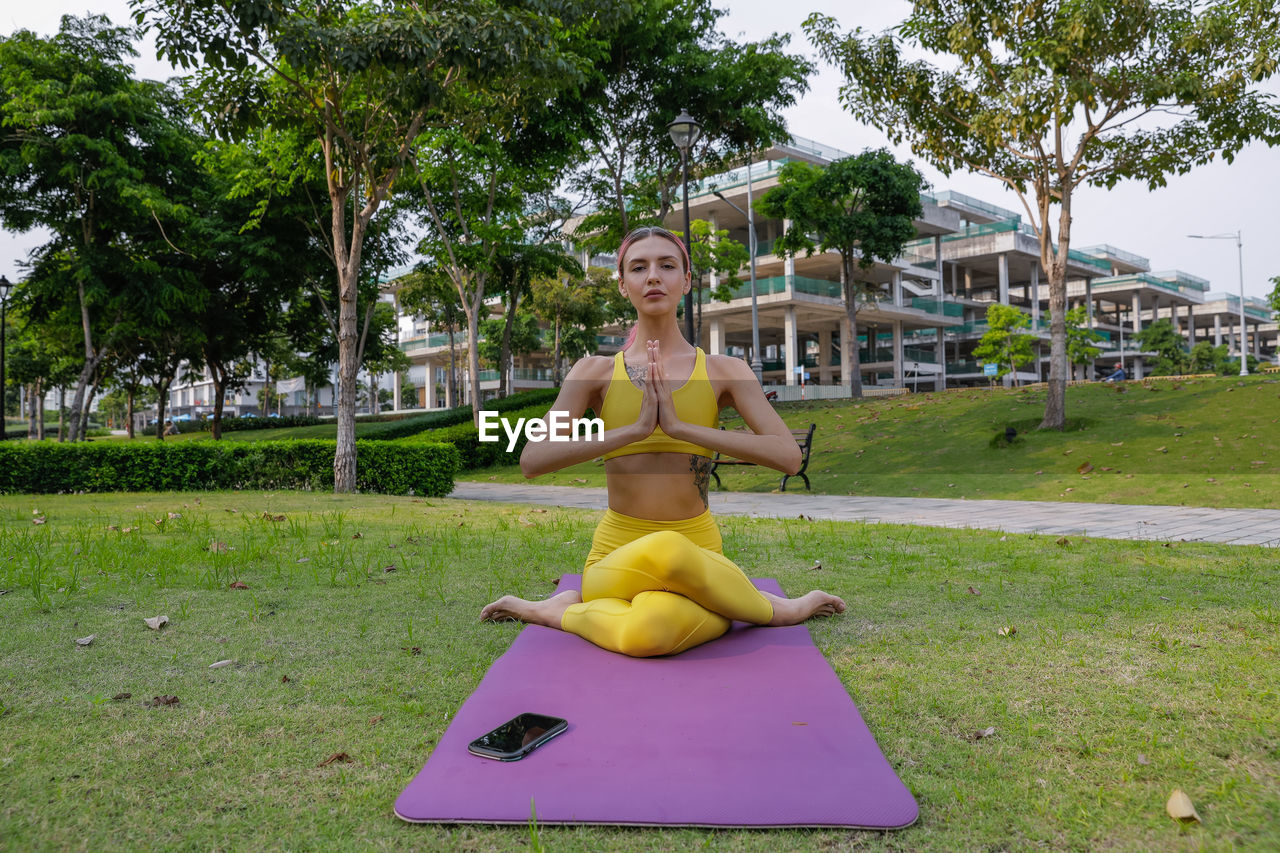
{"x": 803, "y": 437}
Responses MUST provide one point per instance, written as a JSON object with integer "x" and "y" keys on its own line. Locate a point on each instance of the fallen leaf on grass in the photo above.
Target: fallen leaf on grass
{"x": 284, "y": 679}
{"x": 1162, "y": 450}
{"x": 1084, "y": 467}
{"x": 269, "y": 517}
{"x": 337, "y": 756}
{"x": 390, "y": 568}
{"x": 374, "y": 721}
{"x": 1007, "y": 631}
{"x": 220, "y": 664}
{"x": 817, "y": 566}
{"x": 155, "y": 623}
{"x": 415, "y": 650}
{"x": 5, "y": 591}
{"x": 1180, "y": 807}
{"x": 128, "y": 529}
{"x": 1064, "y": 541}
{"x": 1116, "y": 443}
{"x": 160, "y": 701}
{"x": 537, "y": 510}
{"x": 218, "y": 548}
{"x": 987, "y": 732}
{"x": 579, "y": 480}
{"x": 115, "y": 527}
{"x": 173, "y": 516}
{"x": 238, "y": 585}
{"x": 1143, "y": 760}
{"x": 357, "y": 536}
{"x": 120, "y": 697}
{"x": 524, "y": 521}
{"x": 39, "y": 519}
{"x": 304, "y": 559}
{"x": 84, "y": 641}
{"x": 973, "y": 591}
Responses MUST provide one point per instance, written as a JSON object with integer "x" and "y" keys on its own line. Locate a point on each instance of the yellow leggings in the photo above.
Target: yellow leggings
{"x": 660, "y": 587}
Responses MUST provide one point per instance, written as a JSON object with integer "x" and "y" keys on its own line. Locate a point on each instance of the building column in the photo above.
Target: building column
{"x": 429, "y": 396}
{"x": 717, "y": 336}
{"x": 954, "y": 270}
{"x": 791, "y": 345}
{"x": 968, "y": 284}
{"x": 789, "y": 269}
{"x": 899, "y": 371}
{"x": 1088, "y": 302}
{"x": 824, "y": 356}
{"x": 1035, "y": 296}
{"x": 1137, "y": 313}
{"x": 1191, "y": 325}
{"x": 1002, "y": 268}
{"x": 1257, "y": 342}
{"x": 395, "y": 391}
{"x": 846, "y": 353}
{"x": 940, "y": 381}
{"x": 1217, "y": 330}
{"x": 937, "y": 267}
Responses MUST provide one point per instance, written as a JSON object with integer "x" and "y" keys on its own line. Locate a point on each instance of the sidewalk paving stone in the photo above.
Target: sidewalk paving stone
{"x": 1138, "y": 522}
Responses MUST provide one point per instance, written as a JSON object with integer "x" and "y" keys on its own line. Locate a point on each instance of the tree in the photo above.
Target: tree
{"x": 1004, "y": 343}
{"x": 1054, "y": 95}
{"x": 712, "y": 252}
{"x": 1080, "y": 339}
{"x": 428, "y": 293}
{"x": 1170, "y": 348}
{"x": 516, "y": 267}
{"x": 862, "y": 207}
{"x": 502, "y": 337}
{"x": 364, "y": 80}
{"x": 1273, "y": 298}
{"x": 574, "y": 308}
{"x": 86, "y": 153}
{"x": 672, "y": 55}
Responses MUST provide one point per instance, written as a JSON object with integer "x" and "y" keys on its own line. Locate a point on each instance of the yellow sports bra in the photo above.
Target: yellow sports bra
{"x": 695, "y": 403}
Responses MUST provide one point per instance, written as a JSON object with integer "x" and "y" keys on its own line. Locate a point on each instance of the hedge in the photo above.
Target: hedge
{"x": 474, "y": 453}
{"x": 462, "y": 415}
{"x": 421, "y": 469}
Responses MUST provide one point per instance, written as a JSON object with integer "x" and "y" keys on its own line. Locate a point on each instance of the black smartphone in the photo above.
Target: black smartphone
{"x": 516, "y": 738}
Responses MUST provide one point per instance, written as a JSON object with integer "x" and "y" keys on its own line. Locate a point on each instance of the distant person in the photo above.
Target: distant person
{"x": 170, "y": 428}
{"x": 1118, "y": 375}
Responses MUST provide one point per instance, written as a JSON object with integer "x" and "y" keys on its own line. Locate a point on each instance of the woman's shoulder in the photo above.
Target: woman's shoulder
{"x": 728, "y": 367}
{"x": 592, "y": 367}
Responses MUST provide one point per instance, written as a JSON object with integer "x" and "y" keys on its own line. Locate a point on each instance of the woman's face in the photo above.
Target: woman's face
{"x": 653, "y": 275}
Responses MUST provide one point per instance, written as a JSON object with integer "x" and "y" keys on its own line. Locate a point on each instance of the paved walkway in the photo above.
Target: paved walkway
{"x": 1105, "y": 521}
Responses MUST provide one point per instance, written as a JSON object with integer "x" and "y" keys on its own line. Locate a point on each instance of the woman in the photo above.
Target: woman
{"x": 656, "y": 581}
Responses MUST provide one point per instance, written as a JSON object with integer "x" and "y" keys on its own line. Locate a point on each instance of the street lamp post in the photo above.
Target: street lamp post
{"x": 685, "y": 133}
{"x": 1244, "y": 332}
{"x": 757, "y": 366}
{"x": 5, "y": 285}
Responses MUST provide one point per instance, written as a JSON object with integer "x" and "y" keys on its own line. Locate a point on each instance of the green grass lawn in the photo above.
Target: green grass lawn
{"x": 1135, "y": 668}
{"x": 1200, "y": 442}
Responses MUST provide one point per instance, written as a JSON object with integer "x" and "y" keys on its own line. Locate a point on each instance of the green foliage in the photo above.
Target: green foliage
{"x": 1050, "y": 96}
{"x": 670, "y": 55}
{"x": 1080, "y": 339}
{"x": 1170, "y": 348}
{"x": 45, "y": 467}
{"x": 1273, "y": 298}
{"x": 1003, "y": 342}
{"x": 1206, "y": 358}
{"x": 525, "y": 336}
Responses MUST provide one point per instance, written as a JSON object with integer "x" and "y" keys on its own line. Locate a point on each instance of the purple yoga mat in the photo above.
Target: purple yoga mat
{"x": 753, "y": 729}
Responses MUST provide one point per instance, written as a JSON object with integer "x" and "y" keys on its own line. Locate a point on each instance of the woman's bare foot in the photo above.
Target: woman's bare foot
{"x": 548, "y": 612}
{"x": 793, "y": 611}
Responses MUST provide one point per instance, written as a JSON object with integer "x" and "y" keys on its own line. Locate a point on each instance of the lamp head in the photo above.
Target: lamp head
{"x": 685, "y": 131}
{"x": 5, "y": 284}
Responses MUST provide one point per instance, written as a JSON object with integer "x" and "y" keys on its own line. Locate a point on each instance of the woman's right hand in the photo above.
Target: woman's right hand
{"x": 647, "y": 419}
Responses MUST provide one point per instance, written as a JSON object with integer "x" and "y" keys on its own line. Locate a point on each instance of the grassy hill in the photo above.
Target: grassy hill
{"x": 1205, "y": 442}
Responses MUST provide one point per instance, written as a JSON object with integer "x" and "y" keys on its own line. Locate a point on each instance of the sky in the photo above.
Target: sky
{"x": 1212, "y": 199}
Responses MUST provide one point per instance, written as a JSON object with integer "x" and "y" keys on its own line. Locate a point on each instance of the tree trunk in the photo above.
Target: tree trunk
{"x": 88, "y": 405}
{"x": 473, "y": 354}
{"x": 62, "y": 413}
{"x": 344, "y": 458}
{"x": 1055, "y": 407}
{"x": 78, "y": 401}
{"x": 506, "y": 380}
{"x": 854, "y": 379}
{"x": 160, "y": 413}
{"x": 219, "y": 388}
{"x": 129, "y": 415}
{"x": 39, "y": 401}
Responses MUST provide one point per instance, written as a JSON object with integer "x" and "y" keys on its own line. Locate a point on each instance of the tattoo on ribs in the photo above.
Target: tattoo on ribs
{"x": 701, "y": 468}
